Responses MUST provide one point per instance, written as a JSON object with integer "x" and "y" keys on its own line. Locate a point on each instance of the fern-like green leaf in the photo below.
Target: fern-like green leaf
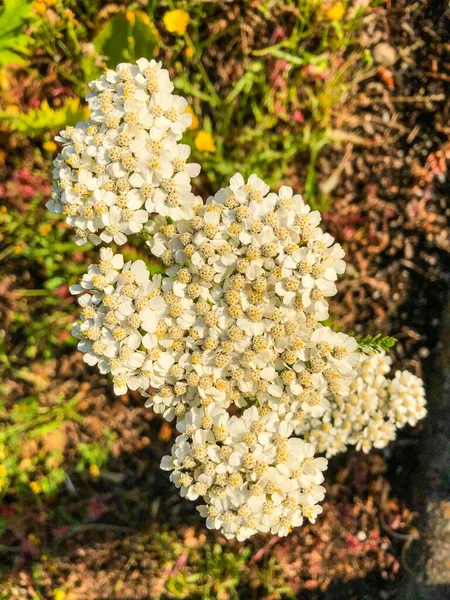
{"x": 376, "y": 343}
{"x": 42, "y": 119}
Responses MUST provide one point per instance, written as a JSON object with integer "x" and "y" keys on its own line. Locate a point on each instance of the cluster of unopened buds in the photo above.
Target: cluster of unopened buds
{"x": 229, "y": 341}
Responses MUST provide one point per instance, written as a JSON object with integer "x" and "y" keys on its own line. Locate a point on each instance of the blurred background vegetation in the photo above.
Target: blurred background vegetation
{"x": 315, "y": 94}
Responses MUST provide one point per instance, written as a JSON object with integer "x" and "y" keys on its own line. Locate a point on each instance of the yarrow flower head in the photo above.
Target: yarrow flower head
{"x": 237, "y": 320}
{"x": 258, "y": 270}
{"x": 370, "y": 415}
{"x": 250, "y": 473}
{"x": 125, "y": 162}
{"x": 229, "y": 342}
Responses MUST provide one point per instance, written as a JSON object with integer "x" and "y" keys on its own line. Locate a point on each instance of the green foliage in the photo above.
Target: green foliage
{"x": 14, "y": 43}
{"x": 251, "y": 118}
{"x": 44, "y": 118}
{"x": 218, "y": 575}
{"x": 32, "y": 441}
{"x": 279, "y": 113}
{"x": 95, "y": 453}
{"x": 36, "y": 242}
{"x": 376, "y": 343}
{"x": 126, "y": 40}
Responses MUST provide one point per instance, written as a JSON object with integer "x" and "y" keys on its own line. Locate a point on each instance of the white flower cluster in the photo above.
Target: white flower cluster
{"x": 248, "y": 280}
{"x": 230, "y": 341}
{"x": 124, "y": 163}
{"x": 235, "y": 323}
{"x": 370, "y": 415}
{"x": 251, "y": 474}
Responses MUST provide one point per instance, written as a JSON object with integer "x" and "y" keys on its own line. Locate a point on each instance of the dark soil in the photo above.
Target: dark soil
{"x": 402, "y": 194}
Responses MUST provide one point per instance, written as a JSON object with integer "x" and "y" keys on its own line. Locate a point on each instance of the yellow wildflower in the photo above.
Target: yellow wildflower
{"x": 35, "y": 487}
{"x": 39, "y": 7}
{"x": 194, "y": 123}
{"x": 2, "y": 471}
{"x": 131, "y": 17}
{"x": 204, "y": 142}
{"x": 189, "y": 52}
{"x": 176, "y": 21}
{"x": 33, "y": 539}
{"x": 49, "y": 146}
{"x": 94, "y": 470}
{"x": 17, "y": 248}
{"x": 45, "y": 229}
{"x": 336, "y": 12}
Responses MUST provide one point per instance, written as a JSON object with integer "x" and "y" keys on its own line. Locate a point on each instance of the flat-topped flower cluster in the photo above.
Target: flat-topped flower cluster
{"x": 371, "y": 413}
{"x": 249, "y": 471}
{"x": 230, "y": 341}
{"x": 125, "y": 162}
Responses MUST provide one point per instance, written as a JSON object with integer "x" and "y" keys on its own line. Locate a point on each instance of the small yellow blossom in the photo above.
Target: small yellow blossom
{"x": 39, "y": 7}
{"x": 204, "y": 142}
{"x": 176, "y": 21}
{"x": 94, "y": 470}
{"x": 336, "y": 12}
{"x": 69, "y": 13}
{"x": 2, "y": 471}
{"x": 131, "y": 17}
{"x": 33, "y": 539}
{"x": 17, "y": 249}
{"x": 35, "y": 487}
{"x": 189, "y": 52}
{"x": 49, "y": 146}
{"x": 194, "y": 123}
{"x": 45, "y": 229}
